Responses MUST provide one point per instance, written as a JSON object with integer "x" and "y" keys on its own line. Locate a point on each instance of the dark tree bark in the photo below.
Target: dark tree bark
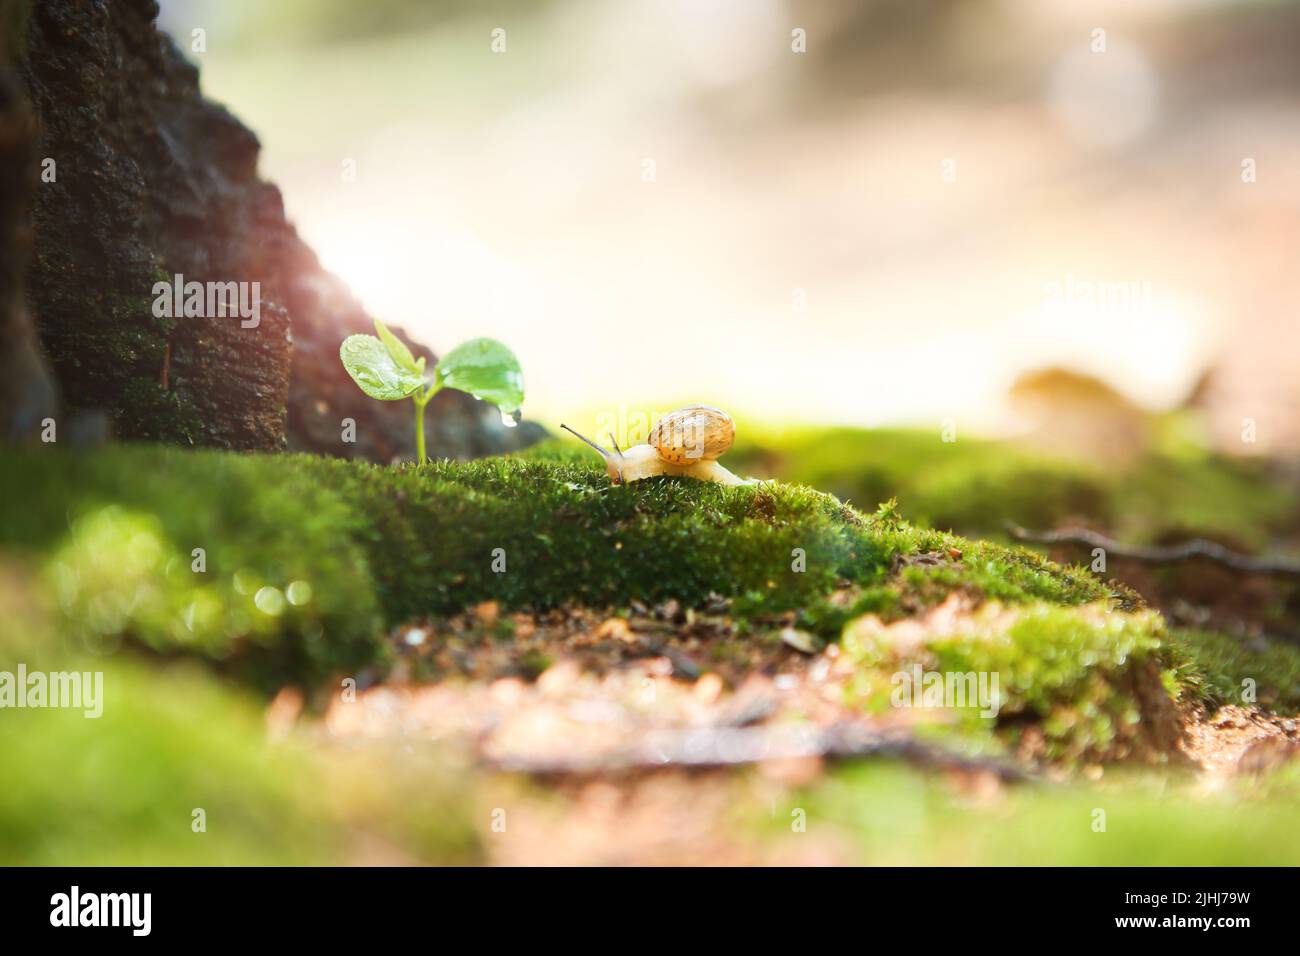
{"x": 27, "y": 395}
{"x": 152, "y": 180}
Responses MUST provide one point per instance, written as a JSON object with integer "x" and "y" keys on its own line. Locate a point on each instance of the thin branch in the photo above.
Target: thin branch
{"x": 711, "y": 748}
{"x": 1196, "y": 548}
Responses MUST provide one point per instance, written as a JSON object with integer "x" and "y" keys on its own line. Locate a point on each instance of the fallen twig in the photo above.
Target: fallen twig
{"x": 721, "y": 747}
{"x": 1196, "y": 548}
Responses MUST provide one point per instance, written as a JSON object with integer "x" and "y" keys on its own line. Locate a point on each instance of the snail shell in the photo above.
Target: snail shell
{"x": 684, "y": 443}
{"x": 692, "y": 434}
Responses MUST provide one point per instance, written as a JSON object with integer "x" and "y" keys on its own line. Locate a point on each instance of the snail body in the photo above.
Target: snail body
{"x": 686, "y": 443}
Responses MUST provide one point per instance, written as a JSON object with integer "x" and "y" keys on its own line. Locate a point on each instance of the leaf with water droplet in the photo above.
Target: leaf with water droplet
{"x": 375, "y": 370}
{"x": 397, "y": 349}
{"x": 487, "y": 370}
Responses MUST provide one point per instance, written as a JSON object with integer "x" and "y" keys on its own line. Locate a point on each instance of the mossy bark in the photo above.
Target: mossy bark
{"x": 149, "y": 180}
{"x": 152, "y": 180}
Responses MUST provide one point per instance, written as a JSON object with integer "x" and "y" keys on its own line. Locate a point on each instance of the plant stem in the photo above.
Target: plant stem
{"x": 419, "y": 432}
{"x": 420, "y": 402}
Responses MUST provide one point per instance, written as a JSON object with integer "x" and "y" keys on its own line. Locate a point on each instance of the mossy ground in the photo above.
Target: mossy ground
{"x": 124, "y": 789}
{"x": 1216, "y": 669}
{"x": 977, "y": 486}
{"x": 309, "y": 562}
{"x": 895, "y": 816}
{"x": 1171, "y": 490}
{"x": 306, "y": 560}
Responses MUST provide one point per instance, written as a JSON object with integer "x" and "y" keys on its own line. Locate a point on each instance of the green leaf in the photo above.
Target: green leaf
{"x": 397, "y": 348}
{"x": 373, "y": 368}
{"x": 486, "y": 369}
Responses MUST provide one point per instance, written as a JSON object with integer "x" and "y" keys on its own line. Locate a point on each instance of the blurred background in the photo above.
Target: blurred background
{"x": 656, "y": 201}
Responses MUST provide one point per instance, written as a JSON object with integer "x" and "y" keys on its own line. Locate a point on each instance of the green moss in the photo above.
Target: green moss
{"x": 165, "y": 745}
{"x": 978, "y": 486}
{"x": 115, "y": 531}
{"x": 1219, "y": 669}
{"x": 122, "y": 789}
{"x": 1192, "y": 491}
{"x": 969, "y": 485}
{"x": 108, "y": 348}
{"x": 115, "y": 534}
{"x": 895, "y": 816}
{"x": 158, "y": 414}
{"x": 1073, "y": 675}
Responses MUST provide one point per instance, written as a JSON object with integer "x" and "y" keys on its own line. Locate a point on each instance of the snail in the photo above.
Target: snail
{"x": 686, "y": 442}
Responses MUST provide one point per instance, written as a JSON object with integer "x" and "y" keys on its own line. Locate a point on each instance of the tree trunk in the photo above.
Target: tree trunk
{"x": 27, "y": 397}
{"x": 144, "y": 180}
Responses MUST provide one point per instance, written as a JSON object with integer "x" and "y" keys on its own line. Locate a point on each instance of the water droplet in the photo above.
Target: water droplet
{"x": 298, "y": 593}
{"x": 270, "y": 601}
{"x": 510, "y": 419}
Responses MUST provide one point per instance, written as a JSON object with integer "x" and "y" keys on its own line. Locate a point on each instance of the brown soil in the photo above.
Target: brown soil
{"x": 1240, "y": 740}
{"x": 612, "y": 741}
